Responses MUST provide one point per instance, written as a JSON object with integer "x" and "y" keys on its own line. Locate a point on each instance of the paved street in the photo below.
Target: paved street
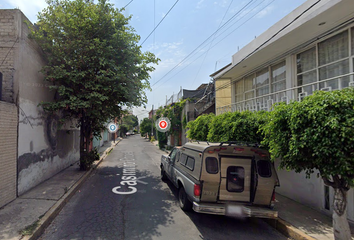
{"x": 110, "y": 205}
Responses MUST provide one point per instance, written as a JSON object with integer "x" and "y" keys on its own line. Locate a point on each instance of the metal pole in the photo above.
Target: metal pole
{"x": 152, "y": 121}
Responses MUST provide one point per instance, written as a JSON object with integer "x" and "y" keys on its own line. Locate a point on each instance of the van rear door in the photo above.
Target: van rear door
{"x": 235, "y": 184}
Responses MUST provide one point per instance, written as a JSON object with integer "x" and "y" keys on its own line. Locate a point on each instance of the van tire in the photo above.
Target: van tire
{"x": 183, "y": 200}
{"x": 163, "y": 175}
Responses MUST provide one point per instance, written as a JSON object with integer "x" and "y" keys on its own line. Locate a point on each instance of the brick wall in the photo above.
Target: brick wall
{"x": 8, "y": 44}
{"x": 8, "y": 151}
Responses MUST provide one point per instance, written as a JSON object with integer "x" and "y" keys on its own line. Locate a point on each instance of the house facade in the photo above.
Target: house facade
{"x": 34, "y": 148}
{"x": 312, "y": 48}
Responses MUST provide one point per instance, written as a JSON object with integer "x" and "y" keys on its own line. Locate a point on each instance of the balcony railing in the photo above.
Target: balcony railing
{"x": 265, "y": 102}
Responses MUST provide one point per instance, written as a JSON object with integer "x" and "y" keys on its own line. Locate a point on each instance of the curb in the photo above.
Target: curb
{"x": 287, "y": 229}
{"x": 49, "y": 216}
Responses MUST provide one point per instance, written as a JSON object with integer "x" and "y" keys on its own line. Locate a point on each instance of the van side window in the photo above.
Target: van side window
{"x": 190, "y": 163}
{"x": 264, "y": 168}
{"x": 235, "y": 179}
{"x": 211, "y": 165}
{"x": 183, "y": 159}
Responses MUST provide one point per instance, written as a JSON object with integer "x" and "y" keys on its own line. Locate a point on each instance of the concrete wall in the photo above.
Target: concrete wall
{"x": 222, "y": 93}
{"x": 43, "y": 150}
{"x": 8, "y": 152}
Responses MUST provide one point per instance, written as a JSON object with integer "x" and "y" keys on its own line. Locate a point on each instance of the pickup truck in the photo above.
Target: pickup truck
{"x": 228, "y": 178}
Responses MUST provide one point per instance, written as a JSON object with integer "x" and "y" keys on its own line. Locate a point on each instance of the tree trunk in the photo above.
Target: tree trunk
{"x": 82, "y": 142}
{"x": 340, "y": 222}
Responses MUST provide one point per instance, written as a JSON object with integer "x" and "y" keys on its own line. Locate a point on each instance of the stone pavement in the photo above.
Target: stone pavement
{"x": 35, "y": 210}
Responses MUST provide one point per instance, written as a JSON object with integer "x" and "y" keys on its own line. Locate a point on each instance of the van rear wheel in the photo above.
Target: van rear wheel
{"x": 183, "y": 200}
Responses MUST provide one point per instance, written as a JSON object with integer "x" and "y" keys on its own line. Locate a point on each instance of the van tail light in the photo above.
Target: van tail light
{"x": 197, "y": 190}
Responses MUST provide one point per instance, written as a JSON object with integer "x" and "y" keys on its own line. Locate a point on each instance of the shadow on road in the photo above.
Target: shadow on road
{"x": 214, "y": 227}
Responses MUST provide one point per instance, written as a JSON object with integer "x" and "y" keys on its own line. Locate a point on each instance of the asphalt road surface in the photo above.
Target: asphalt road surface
{"x": 110, "y": 205}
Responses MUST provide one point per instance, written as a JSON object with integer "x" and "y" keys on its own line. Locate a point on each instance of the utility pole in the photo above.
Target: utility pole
{"x": 152, "y": 121}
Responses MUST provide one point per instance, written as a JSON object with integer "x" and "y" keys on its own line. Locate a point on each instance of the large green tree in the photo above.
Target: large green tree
{"x": 145, "y": 126}
{"x": 130, "y": 121}
{"x": 94, "y": 63}
{"x": 318, "y": 134}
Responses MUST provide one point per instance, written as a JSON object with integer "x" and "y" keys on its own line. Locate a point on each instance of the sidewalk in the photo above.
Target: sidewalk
{"x": 32, "y": 212}
{"x": 301, "y": 222}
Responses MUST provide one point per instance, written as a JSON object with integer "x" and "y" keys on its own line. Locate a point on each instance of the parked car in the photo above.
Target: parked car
{"x": 227, "y": 178}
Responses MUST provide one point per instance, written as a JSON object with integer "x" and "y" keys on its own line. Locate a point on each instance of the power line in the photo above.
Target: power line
{"x": 128, "y": 4}
{"x": 159, "y": 22}
{"x": 211, "y": 42}
{"x": 203, "y": 42}
{"x": 265, "y": 42}
{"x": 208, "y": 39}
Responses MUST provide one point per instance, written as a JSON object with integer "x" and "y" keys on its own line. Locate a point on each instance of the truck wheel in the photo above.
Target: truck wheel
{"x": 183, "y": 200}
{"x": 163, "y": 175}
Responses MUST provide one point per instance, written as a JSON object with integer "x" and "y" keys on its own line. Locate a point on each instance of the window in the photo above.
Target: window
{"x": 264, "y": 169}
{"x": 239, "y": 91}
{"x": 262, "y": 82}
{"x": 0, "y": 86}
{"x": 306, "y": 69}
{"x": 183, "y": 159}
{"x": 352, "y": 34}
{"x": 187, "y": 161}
{"x": 333, "y": 49}
{"x": 278, "y": 77}
{"x": 190, "y": 163}
{"x": 330, "y": 59}
{"x": 333, "y": 60}
{"x": 211, "y": 164}
{"x": 235, "y": 179}
{"x": 173, "y": 154}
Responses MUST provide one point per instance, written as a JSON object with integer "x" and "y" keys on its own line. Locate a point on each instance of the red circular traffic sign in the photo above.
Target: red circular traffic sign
{"x": 163, "y": 124}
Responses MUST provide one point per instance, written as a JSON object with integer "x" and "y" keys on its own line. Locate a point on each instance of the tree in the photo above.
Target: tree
{"x": 317, "y": 134}
{"x": 123, "y": 130}
{"x": 130, "y": 121}
{"x": 145, "y": 126}
{"x": 174, "y": 113}
{"x": 94, "y": 63}
{"x": 237, "y": 126}
{"x": 199, "y": 128}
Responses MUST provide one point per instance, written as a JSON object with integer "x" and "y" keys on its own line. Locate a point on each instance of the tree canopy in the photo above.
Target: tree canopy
{"x": 94, "y": 62}
{"x": 235, "y": 126}
{"x": 145, "y": 126}
{"x": 317, "y": 134}
{"x": 130, "y": 121}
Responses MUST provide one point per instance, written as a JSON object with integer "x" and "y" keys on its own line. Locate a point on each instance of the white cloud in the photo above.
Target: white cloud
{"x": 265, "y": 12}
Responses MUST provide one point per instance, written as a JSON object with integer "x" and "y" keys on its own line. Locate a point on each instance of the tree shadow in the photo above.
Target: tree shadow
{"x": 214, "y": 227}
{"x": 95, "y": 212}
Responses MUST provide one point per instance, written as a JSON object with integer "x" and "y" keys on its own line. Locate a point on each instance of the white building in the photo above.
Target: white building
{"x": 310, "y": 49}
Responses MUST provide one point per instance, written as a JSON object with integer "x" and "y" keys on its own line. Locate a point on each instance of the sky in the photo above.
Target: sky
{"x": 192, "y": 38}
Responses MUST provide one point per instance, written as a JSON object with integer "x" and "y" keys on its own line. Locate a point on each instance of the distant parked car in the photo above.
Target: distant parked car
{"x": 127, "y": 134}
